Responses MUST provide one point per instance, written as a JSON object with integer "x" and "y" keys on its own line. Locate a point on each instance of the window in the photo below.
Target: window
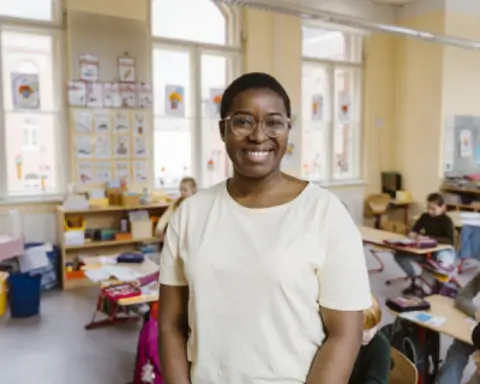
{"x": 43, "y": 10}
{"x": 193, "y": 62}
{"x": 30, "y": 114}
{"x": 331, "y": 105}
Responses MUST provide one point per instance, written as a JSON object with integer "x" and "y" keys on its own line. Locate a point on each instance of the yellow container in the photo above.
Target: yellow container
{"x": 3, "y": 293}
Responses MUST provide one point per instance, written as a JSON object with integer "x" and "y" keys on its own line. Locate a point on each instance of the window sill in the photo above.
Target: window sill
{"x": 340, "y": 183}
{"x": 32, "y": 199}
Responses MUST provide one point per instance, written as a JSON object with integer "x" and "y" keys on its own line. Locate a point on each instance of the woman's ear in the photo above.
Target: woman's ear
{"x": 221, "y": 126}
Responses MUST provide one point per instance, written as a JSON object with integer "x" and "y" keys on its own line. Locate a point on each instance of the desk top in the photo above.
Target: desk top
{"x": 142, "y": 299}
{"x": 377, "y": 237}
{"x": 457, "y": 324}
{"x": 146, "y": 268}
{"x": 401, "y": 203}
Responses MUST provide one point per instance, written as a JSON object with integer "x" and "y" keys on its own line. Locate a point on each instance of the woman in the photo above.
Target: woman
{"x": 257, "y": 270}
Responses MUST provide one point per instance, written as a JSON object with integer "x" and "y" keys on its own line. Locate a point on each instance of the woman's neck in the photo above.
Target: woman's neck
{"x": 242, "y": 186}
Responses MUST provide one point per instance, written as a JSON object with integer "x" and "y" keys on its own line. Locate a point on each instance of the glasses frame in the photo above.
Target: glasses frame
{"x": 228, "y": 120}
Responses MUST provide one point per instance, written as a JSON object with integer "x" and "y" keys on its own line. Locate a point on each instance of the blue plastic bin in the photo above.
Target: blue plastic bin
{"x": 51, "y": 273}
{"x": 24, "y": 292}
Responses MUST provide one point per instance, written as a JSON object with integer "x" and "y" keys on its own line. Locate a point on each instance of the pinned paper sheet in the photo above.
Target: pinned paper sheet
{"x": 423, "y": 317}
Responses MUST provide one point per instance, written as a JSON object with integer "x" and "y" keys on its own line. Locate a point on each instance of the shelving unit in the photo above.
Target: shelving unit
{"x": 472, "y": 192}
{"x": 99, "y": 218}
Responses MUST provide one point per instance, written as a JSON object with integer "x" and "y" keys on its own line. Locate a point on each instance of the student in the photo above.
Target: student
{"x": 459, "y": 352}
{"x": 373, "y": 362}
{"x": 188, "y": 187}
{"x": 434, "y": 224}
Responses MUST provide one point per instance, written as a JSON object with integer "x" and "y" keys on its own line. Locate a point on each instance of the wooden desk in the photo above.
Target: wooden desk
{"x": 456, "y": 325}
{"x": 146, "y": 268}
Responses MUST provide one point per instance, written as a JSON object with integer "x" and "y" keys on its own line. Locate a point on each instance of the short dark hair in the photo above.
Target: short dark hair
{"x": 436, "y": 198}
{"x": 253, "y": 80}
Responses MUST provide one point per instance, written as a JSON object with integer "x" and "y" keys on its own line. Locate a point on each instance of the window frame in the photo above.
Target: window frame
{"x": 231, "y": 50}
{"x": 330, "y": 67}
{"x": 53, "y": 29}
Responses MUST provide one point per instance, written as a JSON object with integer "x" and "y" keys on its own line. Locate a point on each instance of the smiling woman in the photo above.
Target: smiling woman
{"x": 257, "y": 271}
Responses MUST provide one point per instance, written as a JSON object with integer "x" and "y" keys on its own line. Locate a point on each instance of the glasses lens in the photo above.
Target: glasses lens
{"x": 275, "y": 126}
{"x": 242, "y": 124}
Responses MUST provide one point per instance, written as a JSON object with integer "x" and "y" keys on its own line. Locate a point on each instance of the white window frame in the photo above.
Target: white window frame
{"x": 52, "y": 28}
{"x": 330, "y": 66}
{"x": 232, "y": 50}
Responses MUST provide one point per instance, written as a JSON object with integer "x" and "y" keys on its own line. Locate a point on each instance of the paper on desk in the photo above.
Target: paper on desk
{"x": 107, "y": 272}
{"x": 424, "y": 317}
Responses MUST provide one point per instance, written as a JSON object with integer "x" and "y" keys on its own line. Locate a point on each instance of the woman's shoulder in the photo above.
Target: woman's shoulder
{"x": 203, "y": 197}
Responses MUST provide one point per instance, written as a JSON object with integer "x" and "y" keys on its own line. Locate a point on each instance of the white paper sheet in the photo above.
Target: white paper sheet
{"x": 33, "y": 258}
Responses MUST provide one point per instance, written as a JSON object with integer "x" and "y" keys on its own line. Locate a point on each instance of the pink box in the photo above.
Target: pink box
{"x": 10, "y": 247}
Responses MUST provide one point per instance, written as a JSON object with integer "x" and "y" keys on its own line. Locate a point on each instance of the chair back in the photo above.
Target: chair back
{"x": 402, "y": 371}
{"x": 394, "y": 226}
{"x": 377, "y": 204}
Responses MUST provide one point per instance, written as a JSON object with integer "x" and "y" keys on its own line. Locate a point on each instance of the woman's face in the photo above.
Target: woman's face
{"x": 256, "y": 155}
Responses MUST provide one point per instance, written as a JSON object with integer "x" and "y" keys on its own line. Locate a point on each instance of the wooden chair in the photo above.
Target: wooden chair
{"x": 403, "y": 371}
{"x": 377, "y": 205}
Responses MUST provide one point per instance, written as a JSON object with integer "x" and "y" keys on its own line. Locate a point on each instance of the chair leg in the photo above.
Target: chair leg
{"x": 381, "y": 265}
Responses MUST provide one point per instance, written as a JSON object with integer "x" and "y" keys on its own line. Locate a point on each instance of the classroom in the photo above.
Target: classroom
{"x": 108, "y": 106}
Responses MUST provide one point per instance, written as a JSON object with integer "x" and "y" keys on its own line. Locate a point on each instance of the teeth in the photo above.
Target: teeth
{"x": 258, "y": 154}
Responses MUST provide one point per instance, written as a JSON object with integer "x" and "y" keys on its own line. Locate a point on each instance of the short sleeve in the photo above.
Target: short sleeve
{"x": 171, "y": 264}
{"x": 343, "y": 278}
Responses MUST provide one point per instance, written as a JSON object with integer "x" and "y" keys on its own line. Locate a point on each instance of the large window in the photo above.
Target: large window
{"x": 331, "y": 105}
{"x": 193, "y": 62}
{"x": 30, "y": 108}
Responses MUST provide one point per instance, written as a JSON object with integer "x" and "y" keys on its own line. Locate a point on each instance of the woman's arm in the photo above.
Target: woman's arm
{"x": 173, "y": 334}
{"x": 334, "y": 361}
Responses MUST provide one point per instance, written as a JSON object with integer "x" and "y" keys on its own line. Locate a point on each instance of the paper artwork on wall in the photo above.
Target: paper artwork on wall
{"x": 121, "y": 122}
{"x": 140, "y": 123}
{"x": 122, "y": 171}
{"x": 89, "y": 66}
{"x": 317, "y": 107}
{"x": 140, "y": 147}
{"x": 466, "y": 145}
{"x": 19, "y": 165}
{"x": 102, "y": 121}
{"x": 25, "y": 91}
{"x": 103, "y": 146}
{"x": 122, "y": 145}
{"x": 95, "y": 95}
{"x": 214, "y": 102}
{"x": 111, "y": 95}
{"x": 83, "y": 147}
{"x": 140, "y": 171}
{"x": 175, "y": 100}
{"x": 103, "y": 172}
{"x": 128, "y": 95}
{"x": 82, "y": 120}
{"x": 145, "y": 95}
{"x": 476, "y": 154}
{"x": 85, "y": 172}
{"x": 77, "y": 94}
{"x": 126, "y": 69}
{"x": 344, "y": 106}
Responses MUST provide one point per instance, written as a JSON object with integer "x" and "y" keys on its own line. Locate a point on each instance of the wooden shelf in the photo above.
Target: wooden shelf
{"x": 114, "y": 208}
{"x": 459, "y": 207}
{"x": 110, "y": 243}
{"x": 461, "y": 190}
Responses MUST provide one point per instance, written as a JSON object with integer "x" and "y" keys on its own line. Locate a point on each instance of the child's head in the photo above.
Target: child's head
{"x": 371, "y": 319}
{"x": 435, "y": 204}
{"x": 188, "y": 187}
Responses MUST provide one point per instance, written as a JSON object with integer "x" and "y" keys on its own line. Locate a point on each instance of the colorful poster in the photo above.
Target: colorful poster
{"x": 18, "y": 164}
{"x": 25, "y": 91}
{"x": 103, "y": 172}
{"x": 89, "y": 65}
{"x": 175, "y": 100}
{"x": 214, "y": 102}
{"x": 126, "y": 69}
{"x": 82, "y": 121}
{"x": 95, "y": 95}
{"x": 140, "y": 149}
{"x": 83, "y": 147}
{"x": 102, "y": 121}
{"x": 111, "y": 95}
{"x": 128, "y": 95}
{"x": 121, "y": 122}
{"x": 85, "y": 172}
{"x": 122, "y": 146}
{"x": 140, "y": 171}
{"x": 140, "y": 123}
{"x": 122, "y": 171}
{"x": 317, "y": 107}
{"x": 77, "y": 94}
{"x": 145, "y": 95}
{"x": 103, "y": 146}
{"x": 344, "y": 113}
{"x": 466, "y": 145}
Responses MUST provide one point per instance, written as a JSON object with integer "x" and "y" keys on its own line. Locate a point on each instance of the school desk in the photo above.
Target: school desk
{"x": 377, "y": 238}
{"x": 113, "y": 317}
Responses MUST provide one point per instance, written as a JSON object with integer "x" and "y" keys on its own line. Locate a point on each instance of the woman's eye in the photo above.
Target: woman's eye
{"x": 275, "y": 123}
{"x": 242, "y": 122}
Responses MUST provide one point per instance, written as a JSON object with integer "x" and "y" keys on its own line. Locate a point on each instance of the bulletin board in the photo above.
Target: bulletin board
{"x": 462, "y": 146}
{"x": 110, "y": 145}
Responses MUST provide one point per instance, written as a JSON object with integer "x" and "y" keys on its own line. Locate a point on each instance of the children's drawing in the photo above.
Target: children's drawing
{"x": 102, "y": 121}
{"x": 95, "y": 95}
{"x": 140, "y": 147}
{"x": 214, "y": 102}
{"x": 145, "y": 95}
{"x": 175, "y": 100}
{"x": 103, "y": 172}
{"x": 126, "y": 69}
{"x": 317, "y": 107}
{"x": 140, "y": 123}
{"x": 111, "y": 95}
{"x": 128, "y": 95}
{"x": 83, "y": 146}
{"x": 85, "y": 172}
{"x": 25, "y": 91}
{"x": 82, "y": 120}
{"x": 140, "y": 171}
{"x": 121, "y": 122}
{"x": 103, "y": 146}
{"x": 89, "y": 65}
{"x": 122, "y": 171}
{"x": 77, "y": 94}
{"x": 122, "y": 145}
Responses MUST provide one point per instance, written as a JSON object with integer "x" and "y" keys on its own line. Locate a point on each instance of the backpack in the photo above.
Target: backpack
{"x": 406, "y": 337}
{"x": 147, "y": 368}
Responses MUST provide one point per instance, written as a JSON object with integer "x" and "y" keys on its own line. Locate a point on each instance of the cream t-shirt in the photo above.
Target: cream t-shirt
{"x": 257, "y": 279}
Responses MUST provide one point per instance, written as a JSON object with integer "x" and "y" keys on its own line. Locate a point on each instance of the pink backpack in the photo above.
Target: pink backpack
{"x": 147, "y": 369}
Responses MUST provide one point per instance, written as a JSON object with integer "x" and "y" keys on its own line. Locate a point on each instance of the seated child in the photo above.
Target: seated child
{"x": 434, "y": 224}
{"x": 188, "y": 187}
{"x": 458, "y": 353}
{"x": 373, "y": 361}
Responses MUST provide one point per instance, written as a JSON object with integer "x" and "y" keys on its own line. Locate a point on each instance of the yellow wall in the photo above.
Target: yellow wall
{"x": 130, "y": 9}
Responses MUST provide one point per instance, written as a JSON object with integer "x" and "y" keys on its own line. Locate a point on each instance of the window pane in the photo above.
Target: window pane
{"x": 331, "y": 45}
{"x": 27, "y": 9}
{"x": 216, "y": 72}
{"x": 193, "y": 20}
{"x": 30, "y": 159}
{"x": 345, "y": 157}
{"x": 316, "y": 120}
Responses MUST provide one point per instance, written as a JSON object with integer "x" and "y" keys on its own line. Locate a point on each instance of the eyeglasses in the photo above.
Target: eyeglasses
{"x": 245, "y": 125}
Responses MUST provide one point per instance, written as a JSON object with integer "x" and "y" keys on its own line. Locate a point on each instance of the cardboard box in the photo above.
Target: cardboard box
{"x": 114, "y": 196}
{"x": 130, "y": 200}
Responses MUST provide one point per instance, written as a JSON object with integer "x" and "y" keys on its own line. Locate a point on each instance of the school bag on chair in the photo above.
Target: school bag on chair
{"x": 147, "y": 367}
{"x": 406, "y": 337}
